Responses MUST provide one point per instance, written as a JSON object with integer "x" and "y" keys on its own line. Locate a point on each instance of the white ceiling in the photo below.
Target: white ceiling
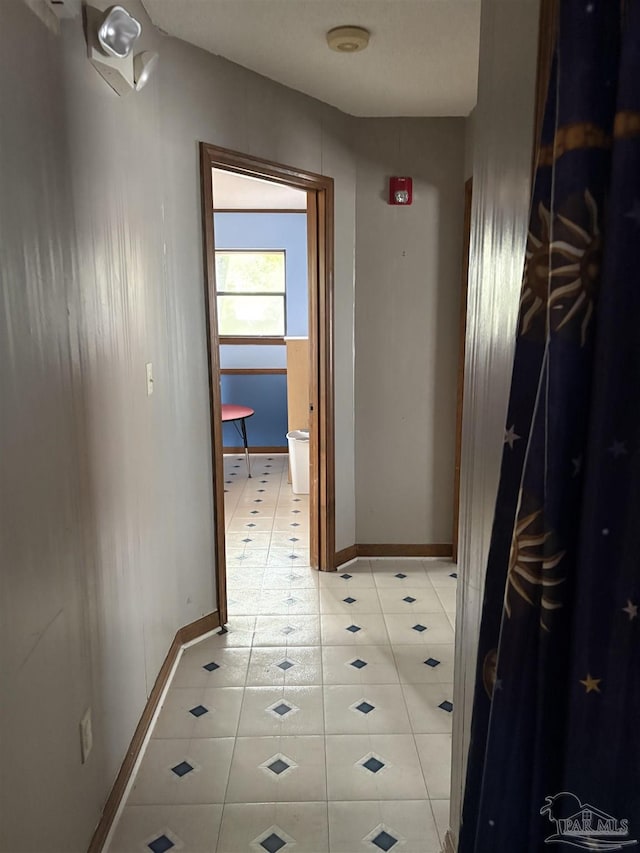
{"x": 422, "y": 59}
{"x": 241, "y": 192}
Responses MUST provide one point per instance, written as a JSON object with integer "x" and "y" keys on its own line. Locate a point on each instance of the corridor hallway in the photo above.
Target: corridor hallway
{"x": 321, "y": 721}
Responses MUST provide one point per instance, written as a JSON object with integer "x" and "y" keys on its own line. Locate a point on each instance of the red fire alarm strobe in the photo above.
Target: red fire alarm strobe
{"x": 400, "y": 190}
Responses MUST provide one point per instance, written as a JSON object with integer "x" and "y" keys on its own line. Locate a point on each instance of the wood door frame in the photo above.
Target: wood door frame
{"x": 320, "y": 219}
{"x": 466, "y": 241}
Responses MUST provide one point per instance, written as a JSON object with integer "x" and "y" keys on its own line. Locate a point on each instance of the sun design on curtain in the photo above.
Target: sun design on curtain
{"x": 562, "y": 274}
{"x": 531, "y": 572}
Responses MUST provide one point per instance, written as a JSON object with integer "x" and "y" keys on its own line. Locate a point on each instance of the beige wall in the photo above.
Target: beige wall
{"x": 408, "y": 263}
{"x": 106, "y": 493}
{"x": 502, "y": 151}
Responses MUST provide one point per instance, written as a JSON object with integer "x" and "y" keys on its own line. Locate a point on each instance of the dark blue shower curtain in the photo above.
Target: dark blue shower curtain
{"x": 555, "y": 743}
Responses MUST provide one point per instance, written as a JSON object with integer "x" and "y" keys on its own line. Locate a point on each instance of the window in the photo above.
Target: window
{"x": 251, "y": 293}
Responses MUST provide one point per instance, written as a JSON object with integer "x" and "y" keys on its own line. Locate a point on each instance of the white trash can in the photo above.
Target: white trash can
{"x": 299, "y": 460}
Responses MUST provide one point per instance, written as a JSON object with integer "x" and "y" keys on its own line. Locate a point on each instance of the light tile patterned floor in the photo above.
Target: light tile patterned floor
{"x": 322, "y": 720}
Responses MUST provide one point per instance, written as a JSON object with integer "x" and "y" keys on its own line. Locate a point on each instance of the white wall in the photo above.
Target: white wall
{"x": 408, "y": 282}
{"x": 502, "y": 153}
{"x": 106, "y": 493}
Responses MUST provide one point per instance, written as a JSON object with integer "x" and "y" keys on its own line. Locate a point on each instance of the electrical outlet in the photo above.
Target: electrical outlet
{"x": 86, "y": 735}
{"x": 149, "y": 367}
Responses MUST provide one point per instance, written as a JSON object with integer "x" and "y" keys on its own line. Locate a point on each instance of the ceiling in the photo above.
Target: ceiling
{"x": 422, "y": 59}
{"x": 242, "y": 192}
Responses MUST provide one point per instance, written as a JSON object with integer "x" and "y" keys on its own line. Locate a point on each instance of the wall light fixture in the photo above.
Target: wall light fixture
{"x": 111, "y": 39}
{"x": 118, "y": 32}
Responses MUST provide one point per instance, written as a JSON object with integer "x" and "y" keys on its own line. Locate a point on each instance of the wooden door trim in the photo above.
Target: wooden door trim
{"x": 314, "y": 367}
{"x": 324, "y": 376}
{"x": 320, "y": 337}
{"x": 213, "y": 361}
{"x": 253, "y": 371}
{"x": 462, "y": 331}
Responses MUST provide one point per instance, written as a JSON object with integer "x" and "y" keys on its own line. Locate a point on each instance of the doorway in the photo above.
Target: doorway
{"x": 318, "y": 194}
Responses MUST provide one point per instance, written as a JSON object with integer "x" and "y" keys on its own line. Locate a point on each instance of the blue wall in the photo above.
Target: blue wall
{"x": 267, "y": 394}
{"x": 286, "y": 231}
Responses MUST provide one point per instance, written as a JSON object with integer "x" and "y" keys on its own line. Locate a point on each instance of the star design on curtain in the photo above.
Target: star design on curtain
{"x": 617, "y": 449}
{"x": 591, "y": 684}
{"x": 531, "y": 567}
{"x": 631, "y": 609}
{"x": 510, "y": 436}
{"x": 561, "y": 274}
{"x": 634, "y": 213}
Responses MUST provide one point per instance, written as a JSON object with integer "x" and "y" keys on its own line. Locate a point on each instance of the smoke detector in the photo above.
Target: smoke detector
{"x": 348, "y": 39}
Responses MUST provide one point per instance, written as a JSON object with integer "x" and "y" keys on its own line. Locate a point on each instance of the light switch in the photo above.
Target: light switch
{"x": 149, "y": 379}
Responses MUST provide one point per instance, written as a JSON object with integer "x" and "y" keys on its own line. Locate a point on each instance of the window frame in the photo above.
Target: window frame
{"x": 248, "y": 339}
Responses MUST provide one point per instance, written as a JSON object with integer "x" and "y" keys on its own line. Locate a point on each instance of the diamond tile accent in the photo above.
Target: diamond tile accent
{"x": 432, "y": 662}
{"x": 294, "y": 539}
{"x": 160, "y": 844}
{"x": 291, "y": 601}
{"x": 288, "y": 630}
{"x": 373, "y": 765}
{"x": 295, "y": 524}
{"x": 255, "y": 512}
{"x": 446, "y": 706}
{"x": 247, "y": 540}
{"x": 293, "y": 556}
{"x": 354, "y": 629}
{"x": 285, "y": 665}
{"x": 250, "y": 525}
{"x": 282, "y": 709}
{"x": 419, "y": 628}
{"x": 359, "y": 664}
{"x": 182, "y": 769}
{"x": 365, "y": 707}
{"x": 409, "y": 599}
{"x": 349, "y": 600}
{"x": 199, "y": 710}
{"x": 384, "y": 841}
{"x": 278, "y": 766}
{"x": 273, "y": 843}
{"x": 211, "y": 667}
{"x": 346, "y": 576}
{"x": 401, "y": 576}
